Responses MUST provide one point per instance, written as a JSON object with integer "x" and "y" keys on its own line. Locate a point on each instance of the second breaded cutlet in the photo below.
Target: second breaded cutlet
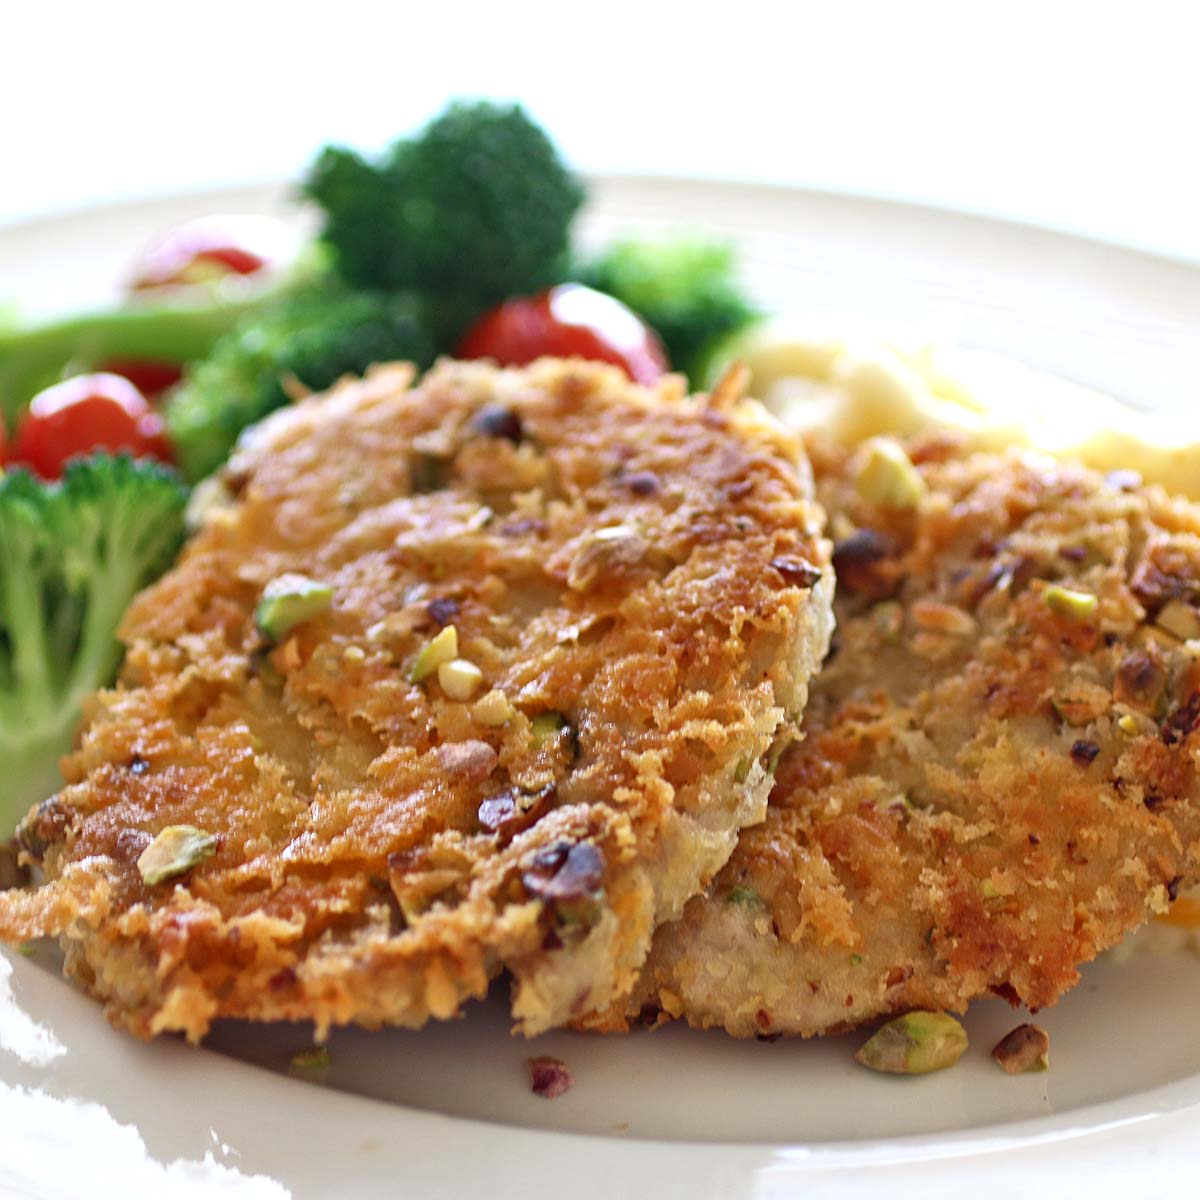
{"x": 568, "y": 622}
{"x": 998, "y": 778}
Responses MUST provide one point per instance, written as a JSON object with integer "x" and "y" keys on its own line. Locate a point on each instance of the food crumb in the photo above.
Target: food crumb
{"x": 550, "y": 1077}
{"x": 315, "y": 1059}
{"x": 1025, "y": 1049}
{"x": 622, "y": 1127}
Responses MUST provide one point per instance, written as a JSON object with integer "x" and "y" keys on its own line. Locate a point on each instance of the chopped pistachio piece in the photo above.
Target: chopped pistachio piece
{"x": 545, "y": 726}
{"x": 989, "y": 889}
{"x": 288, "y": 601}
{"x": 441, "y": 648}
{"x": 460, "y": 678}
{"x": 887, "y": 618}
{"x": 775, "y": 753}
{"x": 316, "y": 1059}
{"x": 493, "y": 709}
{"x": 856, "y": 960}
{"x": 177, "y": 849}
{"x": 1025, "y": 1049}
{"x": 1180, "y": 619}
{"x": 887, "y": 476}
{"x": 744, "y": 895}
{"x": 611, "y": 548}
{"x": 914, "y": 1044}
{"x": 742, "y": 771}
{"x": 209, "y": 499}
{"x": 1068, "y": 603}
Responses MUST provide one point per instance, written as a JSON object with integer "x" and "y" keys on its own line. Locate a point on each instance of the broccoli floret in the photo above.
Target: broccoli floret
{"x": 311, "y": 338}
{"x": 686, "y": 288}
{"x": 476, "y": 208}
{"x": 74, "y": 554}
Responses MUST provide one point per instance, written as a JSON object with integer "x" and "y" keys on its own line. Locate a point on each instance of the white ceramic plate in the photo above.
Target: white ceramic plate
{"x": 447, "y": 1112}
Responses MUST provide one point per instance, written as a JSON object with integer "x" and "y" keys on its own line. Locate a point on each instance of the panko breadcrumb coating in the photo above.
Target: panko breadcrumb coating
{"x": 998, "y": 777}
{"x": 525, "y": 643}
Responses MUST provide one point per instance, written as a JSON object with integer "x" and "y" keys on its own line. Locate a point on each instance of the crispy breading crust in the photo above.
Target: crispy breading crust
{"x": 646, "y": 565}
{"x": 989, "y": 792}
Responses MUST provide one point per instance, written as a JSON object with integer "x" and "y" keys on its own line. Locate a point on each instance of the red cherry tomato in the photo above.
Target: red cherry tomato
{"x": 210, "y": 249}
{"x": 149, "y": 376}
{"x": 89, "y": 412}
{"x": 569, "y": 320}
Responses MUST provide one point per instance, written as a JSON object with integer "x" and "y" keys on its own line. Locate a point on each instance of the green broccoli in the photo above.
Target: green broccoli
{"x": 34, "y": 357}
{"x": 476, "y": 208}
{"x": 686, "y": 288}
{"x": 173, "y": 329}
{"x": 74, "y": 552}
{"x": 311, "y": 338}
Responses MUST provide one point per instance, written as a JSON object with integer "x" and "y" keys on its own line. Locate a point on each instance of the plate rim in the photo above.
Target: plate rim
{"x": 868, "y": 202}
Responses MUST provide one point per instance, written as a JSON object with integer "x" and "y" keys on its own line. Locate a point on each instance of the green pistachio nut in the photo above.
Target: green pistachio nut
{"x": 886, "y": 475}
{"x": 176, "y": 850}
{"x": 289, "y": 601}
{"x": 438, "y": 650}
{"x": 914, "y": 1044}
{"x": 1068, "y": 603}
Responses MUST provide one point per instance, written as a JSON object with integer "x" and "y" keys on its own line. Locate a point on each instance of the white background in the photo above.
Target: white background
{"x": 1081, "y": 116}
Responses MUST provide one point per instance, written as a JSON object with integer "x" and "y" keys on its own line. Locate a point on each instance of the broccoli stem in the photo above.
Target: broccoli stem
{"x": 34, "y": 357}
{"x": 118, "y": 553}
{"x": 28, "y": 693}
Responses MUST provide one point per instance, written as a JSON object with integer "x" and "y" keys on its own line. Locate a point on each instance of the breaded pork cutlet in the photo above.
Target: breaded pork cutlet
{"x": 478, "y": 674}
{"x": 998, "y": 777}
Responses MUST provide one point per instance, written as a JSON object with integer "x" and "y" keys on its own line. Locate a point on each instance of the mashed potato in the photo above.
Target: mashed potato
{"x": 857, "y": 387}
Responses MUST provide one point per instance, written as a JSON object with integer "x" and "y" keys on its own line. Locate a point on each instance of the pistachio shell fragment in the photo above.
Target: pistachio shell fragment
{"x": 887, "y": 476}
{"x": 1068, "y": 603}
{"x": 442, "y": 648}
{"x": 177, "y": 849}
{"x": 1025, "y": 1049}
{"x": 914, "y": 1044}
{"x": 288, "y": 601}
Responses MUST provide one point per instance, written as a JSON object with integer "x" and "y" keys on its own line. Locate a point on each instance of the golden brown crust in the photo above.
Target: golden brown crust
{"x": 990, "y": 791}
{"x": 603, "y": 552}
